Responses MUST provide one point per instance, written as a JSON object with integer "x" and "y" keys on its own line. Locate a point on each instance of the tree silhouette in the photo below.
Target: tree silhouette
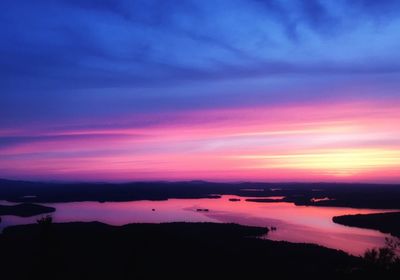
{"x": 386, "y": 258}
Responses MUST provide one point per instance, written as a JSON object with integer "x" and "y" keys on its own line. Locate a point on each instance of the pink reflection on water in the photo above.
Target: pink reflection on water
{"x": 120, "y": 213}
{"x": 305, "y": 224}
{"x": 294, "y": 223}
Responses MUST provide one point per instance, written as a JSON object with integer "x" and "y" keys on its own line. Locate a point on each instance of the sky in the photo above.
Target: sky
{"x": 222, "y": 90}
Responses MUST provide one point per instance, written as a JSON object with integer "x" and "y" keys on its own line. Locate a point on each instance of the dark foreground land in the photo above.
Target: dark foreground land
{"x": 376, "y": 196}
{"x": 384, "y": 222}
{"x": 99, "y": 251}
{"x": 190, "y": 250}
{"x": 147, "y": 251}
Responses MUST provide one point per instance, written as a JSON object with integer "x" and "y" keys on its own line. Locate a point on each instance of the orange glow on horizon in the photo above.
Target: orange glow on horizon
{"x": 337, "y": 162}
{"x": 350, "y": 142}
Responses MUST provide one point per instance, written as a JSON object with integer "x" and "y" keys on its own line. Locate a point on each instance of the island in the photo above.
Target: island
{"x": 264, "y": 200}
{"x": 25, "y": 210}
{"x": 384, "y": 222}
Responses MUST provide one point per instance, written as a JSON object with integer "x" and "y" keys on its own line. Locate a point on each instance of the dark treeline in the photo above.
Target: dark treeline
{"x": 344, "y": 195}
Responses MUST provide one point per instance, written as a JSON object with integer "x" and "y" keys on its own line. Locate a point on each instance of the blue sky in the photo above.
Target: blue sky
{"x": 80, "y": 63}
{"x": 137, "y": 41}
{"x": 120, "y": 46}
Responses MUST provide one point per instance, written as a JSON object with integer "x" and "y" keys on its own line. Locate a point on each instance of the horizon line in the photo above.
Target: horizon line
{"x": 195, "y": 180}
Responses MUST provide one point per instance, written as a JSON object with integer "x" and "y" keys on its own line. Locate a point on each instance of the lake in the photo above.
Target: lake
{"x": 308, "y": 224}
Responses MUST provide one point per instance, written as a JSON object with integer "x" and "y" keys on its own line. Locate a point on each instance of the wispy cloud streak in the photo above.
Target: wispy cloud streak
{"x": 327, "y": 142}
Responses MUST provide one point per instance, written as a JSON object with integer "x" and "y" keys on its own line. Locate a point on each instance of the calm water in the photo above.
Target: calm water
{"x": 294, "y": 223}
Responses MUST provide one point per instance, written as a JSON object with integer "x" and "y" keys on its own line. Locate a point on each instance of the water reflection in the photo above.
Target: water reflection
{"x": 294, "y": 223}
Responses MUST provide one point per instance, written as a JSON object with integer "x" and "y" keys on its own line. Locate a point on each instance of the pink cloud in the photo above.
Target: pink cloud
{"x": 339, "y": 141}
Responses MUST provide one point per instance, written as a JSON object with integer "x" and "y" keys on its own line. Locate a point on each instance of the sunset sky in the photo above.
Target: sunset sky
{"x": 224, "y": 90}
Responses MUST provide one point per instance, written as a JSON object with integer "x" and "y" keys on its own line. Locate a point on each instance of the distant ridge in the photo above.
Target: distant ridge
{"x": 358, "y": 195}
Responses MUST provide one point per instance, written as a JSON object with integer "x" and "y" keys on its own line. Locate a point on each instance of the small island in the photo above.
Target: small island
{"x": 25, "y": 210}
{"x": 263, "y": 200}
